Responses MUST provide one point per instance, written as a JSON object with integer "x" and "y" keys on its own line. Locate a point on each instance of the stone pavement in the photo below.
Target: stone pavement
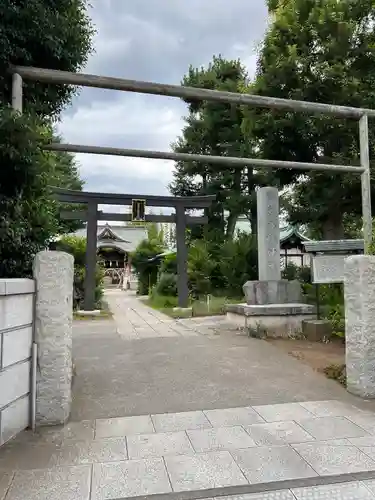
{"x": 204, "y": 364}
{"x": 292, "y": 450}
{"x": 192, "y": 409}
{"x": 135, "y": 320}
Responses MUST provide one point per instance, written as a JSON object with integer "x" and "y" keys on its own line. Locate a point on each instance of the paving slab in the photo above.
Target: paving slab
{"x": 323, "y": 428}
{"x": 283, "y": 412}
{"x": 330, "y": 408}
{"x": 329, "y": 460}
{"x": 220, "y": 438}
{"x": 233, "y": 416}
{"x": 122, "y": 426}
{"x": 159, "y": 444}
{"x": 267, "y": 464}
{"x": 364, "y": 420}
{"x": 65, "y": 483}
{"x": 103, "y": 450}
{"x": 204, "y": 471}
{"x": 277, "y": 433}
{"x": 169, "y": 422}
{"x": 127, "y": 479}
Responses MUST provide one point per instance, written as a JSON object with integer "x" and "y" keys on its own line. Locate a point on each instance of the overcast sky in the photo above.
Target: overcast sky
{"x": 153, "y": 40}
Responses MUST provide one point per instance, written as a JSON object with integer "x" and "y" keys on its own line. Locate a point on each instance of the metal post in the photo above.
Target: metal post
{"x": 17, "y": 92}
{"x": 91, "y": 241}
{"x": 182, "y": 256}
{"x": 365, "y": 182}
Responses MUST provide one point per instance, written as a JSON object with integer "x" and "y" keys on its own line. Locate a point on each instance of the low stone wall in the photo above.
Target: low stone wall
{"x": 16, "y": 318}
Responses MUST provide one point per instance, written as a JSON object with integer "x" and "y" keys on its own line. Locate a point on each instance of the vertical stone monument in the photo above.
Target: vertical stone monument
{"x": 273, "y": 305}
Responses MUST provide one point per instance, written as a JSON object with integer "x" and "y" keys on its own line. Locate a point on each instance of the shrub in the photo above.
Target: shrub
{"x": 293, "y": 272}
{"x": 146, "y": 269}
{"x": 200, "y": 266}
{"x": 76, "y": 246}
{"x": 336, "y": 315}
{"x": 304, "y": 274}
{"x": 290, "y": 272}
{"x": 167, "y": 285}
{"x": 161, "y": 301}
{"x": 169, "y": 264}
{"x": 239, "y": 263}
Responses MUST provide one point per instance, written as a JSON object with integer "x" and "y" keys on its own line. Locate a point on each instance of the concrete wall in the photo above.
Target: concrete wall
{"x": 16, "y": 317}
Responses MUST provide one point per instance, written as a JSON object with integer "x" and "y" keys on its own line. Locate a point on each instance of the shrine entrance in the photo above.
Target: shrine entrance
{"x": 92, "y": 215}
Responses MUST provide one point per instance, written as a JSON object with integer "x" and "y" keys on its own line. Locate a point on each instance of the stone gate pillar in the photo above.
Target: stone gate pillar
{"x": 359, "y": 285}
{"x": 53, "y": 272}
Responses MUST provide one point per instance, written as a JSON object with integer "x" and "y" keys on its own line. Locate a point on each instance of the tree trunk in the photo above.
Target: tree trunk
{"x": 231, "y": 225}
{"x": 333, "y": 228}
{"x": 253, "y": 209}
{"x": 253, "y": 223}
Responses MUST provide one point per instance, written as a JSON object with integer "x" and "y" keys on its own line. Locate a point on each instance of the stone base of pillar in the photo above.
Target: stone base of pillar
{"x": 271, "y": 320}
{"x": 272, "y": 292}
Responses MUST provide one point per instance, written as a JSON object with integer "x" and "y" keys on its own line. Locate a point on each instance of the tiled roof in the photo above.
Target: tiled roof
{"x": 286, "y": 232}
{"x": 126, "y": 238}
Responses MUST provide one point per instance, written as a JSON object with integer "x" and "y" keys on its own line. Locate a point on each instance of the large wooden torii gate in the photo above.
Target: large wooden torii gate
{"x": 92, "y": 215}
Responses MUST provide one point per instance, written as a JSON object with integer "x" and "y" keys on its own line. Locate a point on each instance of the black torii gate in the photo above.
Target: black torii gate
{"x": 92, "y": 215}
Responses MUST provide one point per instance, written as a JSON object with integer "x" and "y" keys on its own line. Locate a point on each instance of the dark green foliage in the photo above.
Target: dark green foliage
{"x": 217, "y": 269}
{"x": 167, "y": 285}
{"x": 200, "y": 266}
{"x": 304, "y": 274}
{"x": 169, "y": 264}
{"x": 147, "y": 271}
{"x": 290, "y": 272}
{"x": 213, "y": 128}
{"x": 319, "y": 51}
{"x": 293, "y": 272}
{"x": 76, "y": 246}
{"x": 45, "y": 34}
{"x": 29, "y": 216}
{"x": 162, "y": 302}
{"x": 239, "y": 263}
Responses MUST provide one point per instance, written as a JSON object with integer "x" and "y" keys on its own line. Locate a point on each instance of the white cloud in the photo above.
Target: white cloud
{"x": 123, "y": 117}
{"x": 145, "y": 41}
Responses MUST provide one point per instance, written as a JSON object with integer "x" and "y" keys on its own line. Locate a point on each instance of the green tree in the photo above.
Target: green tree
{"x": 29, "y": 216}
{"x": 76, "y": 246}
{"x": 213, "y": 128}
{"x": 45, "y": 34}
{"x": 319, "y": 51}
{"x": 144, "y": 265}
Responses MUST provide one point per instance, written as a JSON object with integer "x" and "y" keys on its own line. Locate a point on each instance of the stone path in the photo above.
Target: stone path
{"x": 137, "y": 321}
{"x": 191, "y": 409}
{"x": 209, "y": 366}
{"x": 207, "y": 453}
